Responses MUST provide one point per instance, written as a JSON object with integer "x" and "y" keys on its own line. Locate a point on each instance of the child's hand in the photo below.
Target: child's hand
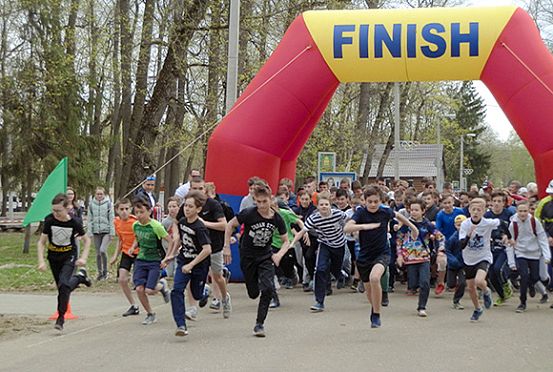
{"x": 187, "y": 269}
{"x": 113, "y": 259}
{"x": 276, "y": 259}
{"x": 371, "y": 226}
{"x": 399, "y": 261}
{"x": 80, "y": 262}
{"x": 41, "y": 266}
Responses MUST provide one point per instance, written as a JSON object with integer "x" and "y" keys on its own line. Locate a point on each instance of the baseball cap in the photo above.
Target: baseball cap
{"x": 460, "y": 218}
{"x": 549, "y": 189}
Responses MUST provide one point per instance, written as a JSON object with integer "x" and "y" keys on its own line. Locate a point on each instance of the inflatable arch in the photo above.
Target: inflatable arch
{"x": 268, "y": 126}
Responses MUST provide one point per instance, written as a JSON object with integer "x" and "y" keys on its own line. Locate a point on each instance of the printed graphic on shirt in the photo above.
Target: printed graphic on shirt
{"x": 476, "y": 243}
{"x": 61, "y": 236}
{"x": 261, "y": 233}
{"x": 188, "y": 249}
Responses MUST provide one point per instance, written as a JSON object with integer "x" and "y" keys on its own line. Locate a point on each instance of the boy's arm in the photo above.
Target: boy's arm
{"x": 40, "y": 251}
{"x": 352, "y": 226}
{"x": 206, "y": 251}
{"x": 231, "y": 225}
{"x": 283, "y": 249}
{"x": 414, "y": 231}
{"x": 84, "y": 256}
{"x": 220, "y": 225}
{"x": 117, "y": 250}
{"x": 543, "y": 242}
{"x": 173, "y": 248}
{"x": 511, "y": 257}
{"x": 297, "y": 238}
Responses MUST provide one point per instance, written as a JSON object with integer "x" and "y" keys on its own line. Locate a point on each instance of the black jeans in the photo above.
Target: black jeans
{"x": 310, "y": 255}
{"x": 329, "y": 260}
{"x": 259, "y": 274}
{"x": 62, "y": 268}
{"x": 456, "y": 279}
{"x": 529, "y": 271}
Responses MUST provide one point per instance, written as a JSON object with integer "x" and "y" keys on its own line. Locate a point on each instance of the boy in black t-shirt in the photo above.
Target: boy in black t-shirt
{"x": 374, "y": 251}
{"x": 192, "y": 259}
{"x": 59, "y": 232}
{"x": 256, "y": 256}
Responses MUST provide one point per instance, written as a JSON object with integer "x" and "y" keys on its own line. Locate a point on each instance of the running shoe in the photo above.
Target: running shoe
{"x": 375, "y": 321}
{"x": 215, "y": 304}
{"x": 227, "y": 307}
{"x": 385, "y": 299}
{"x": 458, "y": 306}
{"x": 341, "y": 282}
{"x": 191, "y": 313}
{"x": 422, "y": 313}
{"x": 150, "y": 319}
{"x": 133, "y": 310}
{"x": 305, "y": 287}
{"x": 226, "y": 274}
{"x": 476, "y": 315}
{"x": 521, "y": 308}
{"x": 83, "y": 277}
{"x": 544, "y": 299}
{"x": 275, "y": 302}
{"x": 361, "y": 287}
{"x": 508, "y": 290}
{"x": 259, "y": 330}
{"x": 532, "y": 291}
{"x": 499, "y": 301}
{"x": 439, "y": 289}
{"x": 354, "y": 285}
{"x": 287, "y": 283}
{"x": 181, "y": 331}
{"x": 329, "y": 292}
{"x": 59, "y": 324}
{"x": 205, "y": 297}
{"x": 317, "y": 307}
{"x": 165, "y": 290}
{"x": 488, "y": 299}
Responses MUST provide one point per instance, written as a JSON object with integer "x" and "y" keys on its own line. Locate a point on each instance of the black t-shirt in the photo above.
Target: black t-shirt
{"x": 211, "y": 212}
{"x": 432, "y": 212}
{"x": 61, "y": 236}
{"x": 373, "y": 243}
{"x": 193, "y": 237}
{"x": 258, "y": 231}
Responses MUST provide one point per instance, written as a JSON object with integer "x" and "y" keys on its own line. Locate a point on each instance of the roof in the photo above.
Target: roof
{"x": 419, "y": 160}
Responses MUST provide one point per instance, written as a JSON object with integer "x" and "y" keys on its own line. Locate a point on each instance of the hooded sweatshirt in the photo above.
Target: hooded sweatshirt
{"x": 528, "y": 245}
{"x": 100, "y": 217}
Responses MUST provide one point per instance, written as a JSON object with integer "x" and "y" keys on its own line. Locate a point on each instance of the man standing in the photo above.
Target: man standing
{"x": 183, "y": 189}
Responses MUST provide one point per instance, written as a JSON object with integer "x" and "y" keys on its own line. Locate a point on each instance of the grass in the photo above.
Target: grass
{"x": 18, "y": 271}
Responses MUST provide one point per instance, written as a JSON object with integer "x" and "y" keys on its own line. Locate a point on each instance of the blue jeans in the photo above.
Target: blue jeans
{"x": 197, "y": 280}
{"x": 329, "y": 260}
{"x": 418, "y": 275}
{"x": 499, "y": 271}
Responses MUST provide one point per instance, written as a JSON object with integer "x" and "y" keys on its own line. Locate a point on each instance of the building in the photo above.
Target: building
{"x": 417, "y": 162}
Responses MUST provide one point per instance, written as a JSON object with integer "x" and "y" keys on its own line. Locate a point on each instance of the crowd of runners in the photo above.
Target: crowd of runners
{"x": 360, "y": 238}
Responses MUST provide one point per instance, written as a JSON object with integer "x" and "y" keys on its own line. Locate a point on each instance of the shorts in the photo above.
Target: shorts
{"x": 126, "y": 262}
{"x": 366, "y": 268}
{"x": 471, "y": 270}
{"x": 217, "y": 262}
{"x": 146, "y": 273}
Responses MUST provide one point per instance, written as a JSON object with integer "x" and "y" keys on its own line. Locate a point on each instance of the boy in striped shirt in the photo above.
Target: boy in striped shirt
{"x": 328, "y": 223}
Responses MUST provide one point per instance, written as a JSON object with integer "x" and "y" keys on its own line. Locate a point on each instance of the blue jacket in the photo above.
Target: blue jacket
{"x": 454, "y": 252}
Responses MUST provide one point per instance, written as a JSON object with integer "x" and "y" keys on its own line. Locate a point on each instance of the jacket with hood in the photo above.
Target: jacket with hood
{"x": 100, "y": 217}
{"x": 528, "y": 244}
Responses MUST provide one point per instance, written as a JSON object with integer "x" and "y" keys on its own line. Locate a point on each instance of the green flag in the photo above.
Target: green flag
{"x": 55, "y": 183}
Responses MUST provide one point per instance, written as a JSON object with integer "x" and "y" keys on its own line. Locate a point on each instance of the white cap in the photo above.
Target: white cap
{"x": 522, "y": 190}
{"x": 549, "y": 188}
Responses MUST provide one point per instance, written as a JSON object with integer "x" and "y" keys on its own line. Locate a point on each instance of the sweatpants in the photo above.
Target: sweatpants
{"x": 101, "y": 242}
{"x": 329, "y": 260}
{"x": 498, "y": 272}
{"x": 258, "y": 277}
{"x": 456, "y": 279}
{"x": 62, "y": 268}
{"x": 529, "y": 271}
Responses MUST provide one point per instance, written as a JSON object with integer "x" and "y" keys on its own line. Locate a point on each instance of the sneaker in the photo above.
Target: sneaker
{"x": 215, "y": 304}
{"x": 422, "y": 313}
{"x": 551, "y": 307}
{"x": 544, "y": 299}
{"x": 226, "y": 274}
{"x": 488, "y": 299}
{"x": 83, "y": 277}
{"x": 361, "y": 287}
{"x": 521, "y": 308}
{"x": 375, "y": 321}
{"x": 508, "y": 290}
{"x": 288, "y": 283}
{"x": 165, "y": 290}
{"x": 317, "y": 307}
{"x": 275, "y": 302}
{"x": 341, "y": 282}
{"x": 458, "y": 306}
{"x": 499, "y": 301}
{"x": 385, "y": 299}
{"x": 150, "y": 318}
{"x": 227, "y": 307}
{"x": 532, "y": 291}
{"x": 100, "y": 277}
{"x": 133, "y": 310}
{"x": 191, "y": 313}
{"x": 439, "y": 289}
{"x": 311, "y": 285}
{"x": 205, "y": 297}
{"x": 329, "y": 292}
{"x": 476, "y": 315}
{"x": 354, "y": 285}
{"x": 59, "y": 324}
{"x": 181, "y": 331}
{"x": 305, "y": 287}
{"x": 259, "y": 330}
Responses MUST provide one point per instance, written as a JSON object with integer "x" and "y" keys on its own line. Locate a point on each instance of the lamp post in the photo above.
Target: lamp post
{"x": 462, "y": 160}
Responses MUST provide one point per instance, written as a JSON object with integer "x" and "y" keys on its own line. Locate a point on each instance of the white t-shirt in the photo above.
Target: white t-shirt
{"x": 182, "y": 190}
{"x": 478, "y": 247}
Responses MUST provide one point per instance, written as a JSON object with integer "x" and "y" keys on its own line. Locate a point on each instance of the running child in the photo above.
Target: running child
{"x": 256, "y": 257}
{"x": 192, "y": 258}
{"x": 124, "y": 229}
{"x": 374, "y": 250}
{"x": 455, "y": 265}
{"x": 146, "y": 276}
{"x": 529, "y": 243}
{"x": 58, "y": 236}
{"x": 475, "y": 236}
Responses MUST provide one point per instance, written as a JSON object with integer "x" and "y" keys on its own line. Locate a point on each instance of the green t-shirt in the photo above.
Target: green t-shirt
{"x": 289, "y": 218}
{"x": 147, "y": 237}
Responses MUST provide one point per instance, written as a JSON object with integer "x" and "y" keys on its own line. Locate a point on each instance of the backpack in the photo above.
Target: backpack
{"x": 532, "y": 222}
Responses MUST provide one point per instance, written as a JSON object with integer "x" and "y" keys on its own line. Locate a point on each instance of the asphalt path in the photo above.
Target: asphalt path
{"x": 338, "y": 339}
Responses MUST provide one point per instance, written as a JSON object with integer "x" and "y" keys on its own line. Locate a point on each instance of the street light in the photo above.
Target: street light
{"x": 461, "y": 160}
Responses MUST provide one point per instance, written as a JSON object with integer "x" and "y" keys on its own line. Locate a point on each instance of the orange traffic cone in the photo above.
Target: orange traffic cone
{"x": 68, "y": 314}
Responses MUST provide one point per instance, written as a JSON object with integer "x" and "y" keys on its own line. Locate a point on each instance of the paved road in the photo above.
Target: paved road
{"x": 338, "y": 339}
